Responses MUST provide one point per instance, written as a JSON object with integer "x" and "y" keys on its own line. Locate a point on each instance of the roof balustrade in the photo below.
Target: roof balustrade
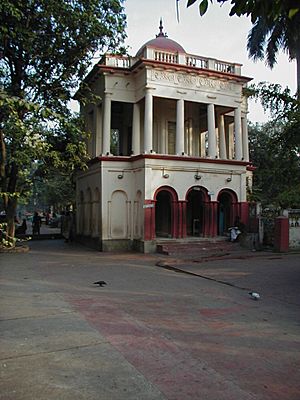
{"x": 190, "y": 60}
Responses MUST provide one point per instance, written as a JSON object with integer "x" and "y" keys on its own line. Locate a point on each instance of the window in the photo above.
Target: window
{"x": 115, "y": 142}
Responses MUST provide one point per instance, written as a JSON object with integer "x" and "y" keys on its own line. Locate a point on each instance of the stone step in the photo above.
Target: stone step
{"x": 201, "y": 247}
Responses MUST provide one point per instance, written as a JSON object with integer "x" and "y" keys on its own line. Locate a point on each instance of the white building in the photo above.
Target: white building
{"x": 168, "y": 147}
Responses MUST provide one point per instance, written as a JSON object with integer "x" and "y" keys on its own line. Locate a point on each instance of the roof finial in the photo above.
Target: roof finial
{"x": 161, "y": 34}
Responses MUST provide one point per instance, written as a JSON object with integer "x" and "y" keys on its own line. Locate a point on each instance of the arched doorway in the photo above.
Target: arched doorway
{"x": 165, "y": 212}
{"x": 195, "y": 211}
{"x": 226, "y": 212}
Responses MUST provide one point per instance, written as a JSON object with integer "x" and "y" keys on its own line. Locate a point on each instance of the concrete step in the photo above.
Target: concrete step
{"x": 205, "y": 247}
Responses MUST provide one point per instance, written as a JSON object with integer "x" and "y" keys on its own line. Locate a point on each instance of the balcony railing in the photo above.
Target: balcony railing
{"x": 173, "y": 58}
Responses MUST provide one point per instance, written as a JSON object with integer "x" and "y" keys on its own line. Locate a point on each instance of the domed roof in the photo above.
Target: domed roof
{"x": 162, "y": 42}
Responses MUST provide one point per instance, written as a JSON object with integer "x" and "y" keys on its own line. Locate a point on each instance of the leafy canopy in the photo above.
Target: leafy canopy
{"x": 275, "y": 147}
{"x": 46, "y": 48}
{"x": 47, "y": 45}
{"x": 271, "y": 10}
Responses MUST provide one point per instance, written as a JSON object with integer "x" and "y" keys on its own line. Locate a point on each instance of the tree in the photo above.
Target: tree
{"x": 267, "y": 37}
{"x": 277, "y": 174}
{"x": 275, "y": 147}
{"x": 254, "y": 8}
{"x": 56, "y": 190}
{"x": 276, "y": 26}
{"x": 46, "y": 48}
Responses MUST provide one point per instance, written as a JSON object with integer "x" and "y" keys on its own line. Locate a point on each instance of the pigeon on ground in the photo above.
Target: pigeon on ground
{"x": 254, "y": 295}
{"x": 100, "y": 283}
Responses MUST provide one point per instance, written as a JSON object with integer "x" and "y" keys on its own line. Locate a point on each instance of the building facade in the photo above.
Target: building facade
{"x": 168, "y": 146}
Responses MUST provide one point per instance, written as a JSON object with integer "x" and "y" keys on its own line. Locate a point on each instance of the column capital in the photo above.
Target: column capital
{"x": 149, "y": 88}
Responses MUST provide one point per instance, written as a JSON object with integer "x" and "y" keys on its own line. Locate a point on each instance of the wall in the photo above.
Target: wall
{"x": 294, "y": 228}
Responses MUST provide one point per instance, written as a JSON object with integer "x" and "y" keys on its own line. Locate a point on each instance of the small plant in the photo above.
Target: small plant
{"x": 7, "y": 241}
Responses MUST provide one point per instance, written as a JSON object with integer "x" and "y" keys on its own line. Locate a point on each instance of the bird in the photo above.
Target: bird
{"x": 100, "y": 283}
{"x": 254, "y": 295}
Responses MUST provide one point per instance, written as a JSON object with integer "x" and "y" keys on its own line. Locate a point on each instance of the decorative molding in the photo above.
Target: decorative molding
{"x": 187, "y": 80}
{"x": 169, "y": 157}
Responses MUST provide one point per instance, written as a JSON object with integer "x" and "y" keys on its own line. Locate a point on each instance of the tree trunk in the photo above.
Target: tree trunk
{"x": 2, "y": 155}
{"x": 10, "y": 203}
{"x": 10, "y": 216}
{"x": 298, "y": 74}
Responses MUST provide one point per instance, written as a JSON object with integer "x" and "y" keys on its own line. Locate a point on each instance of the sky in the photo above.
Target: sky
{"x": 214, "y": 35}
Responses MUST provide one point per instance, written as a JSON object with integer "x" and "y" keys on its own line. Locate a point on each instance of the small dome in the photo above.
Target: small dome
{"x": 162, "y": 42}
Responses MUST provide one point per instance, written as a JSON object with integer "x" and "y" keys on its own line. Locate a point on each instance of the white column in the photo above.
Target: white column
{"x": 162, "y": 136}
{"x": 212, "y": 146}
{"x": 222, "y": 140}
{"x": 196, "y": 144}
{"x": 238, "y": 133}
{"x": 180, "y": 127}
{"x": 98, "y": 144}
{"x": 136, "y": 129}
{"x": 106, "y": 124}
{"x": 189, "y": 149}
{"x": 245, "y": 139}
{"x": 203, "y": 145}
{"x": 148, "y": 122}
{"x": 230, "y": 140}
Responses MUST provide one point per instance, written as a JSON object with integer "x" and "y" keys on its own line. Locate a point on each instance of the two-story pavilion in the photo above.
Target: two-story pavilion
{"x": 168, "y": 147}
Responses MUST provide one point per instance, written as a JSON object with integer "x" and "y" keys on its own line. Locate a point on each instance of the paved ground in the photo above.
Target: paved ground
{"x": 151, "y": 332}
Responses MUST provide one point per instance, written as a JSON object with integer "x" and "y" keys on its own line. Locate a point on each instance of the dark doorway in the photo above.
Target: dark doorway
{"x": 225, "y": 213}
{"x": 163, "y": 212}
{"x": 121, "y": 128}
{"x": 195, "y": 212}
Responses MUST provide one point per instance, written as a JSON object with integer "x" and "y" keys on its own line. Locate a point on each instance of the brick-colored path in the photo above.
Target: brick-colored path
{"x": 151, "y": 333}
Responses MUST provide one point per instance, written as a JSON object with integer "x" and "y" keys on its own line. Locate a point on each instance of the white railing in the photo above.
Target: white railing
{"x": 117, "y": 61}
{"x": 194, "y": 61}
{"x": 224, "y": 67}
{"x": 173, "y": 58}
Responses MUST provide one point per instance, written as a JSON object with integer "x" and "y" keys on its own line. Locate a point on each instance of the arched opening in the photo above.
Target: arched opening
{"x": 163, "y": 214}
{"x": 195, "y": 211}
{"x": 226, "y": 199}
{"x": 118, "y": 215}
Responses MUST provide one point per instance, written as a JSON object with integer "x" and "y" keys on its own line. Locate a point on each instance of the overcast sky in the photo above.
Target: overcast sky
{"x": 214, "y": 35}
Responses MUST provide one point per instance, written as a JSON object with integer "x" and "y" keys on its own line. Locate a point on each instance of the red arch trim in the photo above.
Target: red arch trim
{"x": 202, "y": 190}
{"x": 231, "y": 193}
{"x": 170, "y": 190}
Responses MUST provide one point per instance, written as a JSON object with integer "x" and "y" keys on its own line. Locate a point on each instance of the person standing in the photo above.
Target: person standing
{"x": 36, "y": 224}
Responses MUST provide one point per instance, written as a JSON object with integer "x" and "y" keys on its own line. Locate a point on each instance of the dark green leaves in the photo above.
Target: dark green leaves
{"x": 190, "y": 2}
{"x": 275, "y": 147}
{"x": 203, "y": 7}
{"x": 46, "y": 48}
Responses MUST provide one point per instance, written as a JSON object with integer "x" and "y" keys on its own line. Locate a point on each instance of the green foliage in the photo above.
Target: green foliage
{"x": 47, "y": 46}
{"x": 271, "y": 10}
{"x": 6, "y": 240}
{"x": 46, "y": 49}
{"x": 276, "y": 26}
{"x": 52, "y": 187}
{"x": 269, "y": 35}
{"x": 281, "y": 103}
{"x": 275, "y": 148}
